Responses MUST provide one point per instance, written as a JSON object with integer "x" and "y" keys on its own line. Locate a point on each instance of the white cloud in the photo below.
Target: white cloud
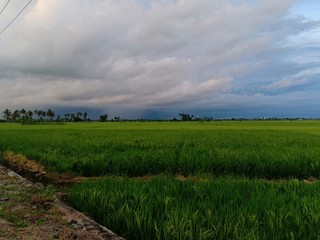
{"x": 298, "y": 79}
{"x": 285, "y": 83}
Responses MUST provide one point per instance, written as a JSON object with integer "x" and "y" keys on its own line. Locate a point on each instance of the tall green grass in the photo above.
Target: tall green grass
{"x": 199, "y": 208}
{"x": 252, "y": 149}
{"x": 222, "y": 208}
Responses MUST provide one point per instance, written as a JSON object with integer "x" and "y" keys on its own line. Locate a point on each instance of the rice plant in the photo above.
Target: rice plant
{"x": 252, "y": 149}
{"x": 223, "y": 208}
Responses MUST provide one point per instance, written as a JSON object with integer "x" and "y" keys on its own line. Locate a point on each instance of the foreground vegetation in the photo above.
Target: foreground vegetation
{"x": 203, "y": 208}
{"x": 210, "y": 180}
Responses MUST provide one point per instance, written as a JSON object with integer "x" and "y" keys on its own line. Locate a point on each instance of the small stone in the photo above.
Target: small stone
{"x": 74, "y": 226}
{"x": 39, "y": 185}
{"x": 89, "y": 227}
{"x": 3, "y": 199}
{"x": 81, "y": 223}
{"x": 72, "y": 221}
{"x": 56, "y": 236}
{"x": 38, "y": 175}
{"x": 12, "y": 174}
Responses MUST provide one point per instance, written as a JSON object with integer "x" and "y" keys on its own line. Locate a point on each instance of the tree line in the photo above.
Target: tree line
{"x": 23, "y": 115}
{"x": 29, "y": 116}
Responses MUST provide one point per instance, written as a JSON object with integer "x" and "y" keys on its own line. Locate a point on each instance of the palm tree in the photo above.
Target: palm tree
{"x": 50, "y": 114}
{"x": 39, "y": 113}
{"x": 23, "y": 111}
{"x": 66, "y": 117}
{"x": 36, "y": 112}
{"x": 78, "y": 117}
{"x": 30, "y": 114}
{"x": 7, "y": 115}
{"x": 73, "y": 116}
{"x": 85, "y": 115}
{"x": 16, "y": 115}
{"x": 42, "y": 114}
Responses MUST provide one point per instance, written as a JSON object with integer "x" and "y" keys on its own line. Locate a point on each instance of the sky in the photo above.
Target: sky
{"x": 158, "y": 58}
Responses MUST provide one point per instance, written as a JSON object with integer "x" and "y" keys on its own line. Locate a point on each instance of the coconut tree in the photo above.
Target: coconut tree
{"x": 85, "y": 116}
{"x": 35, "y": 111}
{"x": 50, "y": 114}
{"x": 43, "y": 114}
{"x": 39, "y": 114}
{"x": 7, "y": 114}
{"x": 30, "y": 114}
{"x": 23, "y": 114}
{"x": 73, "y": 117}
{"x": 15, "y": 115}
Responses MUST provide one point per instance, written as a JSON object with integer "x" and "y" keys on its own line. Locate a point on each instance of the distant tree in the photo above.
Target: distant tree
{"x": 23, "y": 114}
{"x": 35, "y": 112}
{"x": 85, "y": 116}
{"x": 186, "y": 116}
{"x": 73, "y": 117}
{"x": 7, "y": 114}
{"x": 58, "y": 118}
{"x": 16, "y": 116}
{"x": 50, "y": 114}
{"x": 103, "y": 118}
{"x": 65, "y": 117}
{"x": 78, "y": 117}
{"x": 30, "y": 114}
{"x": 23, "y": 111}
{"x": 117, "y": 119}
{"x": 43, "y": 114}
{"x": 39, "y": 113}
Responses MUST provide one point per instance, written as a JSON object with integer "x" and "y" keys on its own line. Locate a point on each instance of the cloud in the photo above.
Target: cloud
{"x": 145, "y": 54}
{"x": 285, "y": 84}
{"x": 295, "y": 81}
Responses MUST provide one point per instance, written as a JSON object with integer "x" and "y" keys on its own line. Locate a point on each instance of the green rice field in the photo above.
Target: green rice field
{"x": 207, "y": 208}
{"x": 186, "y": 180}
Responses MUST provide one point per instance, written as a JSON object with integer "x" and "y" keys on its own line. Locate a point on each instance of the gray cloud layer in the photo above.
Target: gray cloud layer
{"x": 189, "y": 54}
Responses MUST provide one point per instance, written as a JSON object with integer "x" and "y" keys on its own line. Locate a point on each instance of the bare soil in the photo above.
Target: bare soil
{"x": 33, "y": 211}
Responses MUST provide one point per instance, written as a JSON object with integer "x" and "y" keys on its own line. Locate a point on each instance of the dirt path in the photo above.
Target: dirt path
{"x": 32, "y": 211}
